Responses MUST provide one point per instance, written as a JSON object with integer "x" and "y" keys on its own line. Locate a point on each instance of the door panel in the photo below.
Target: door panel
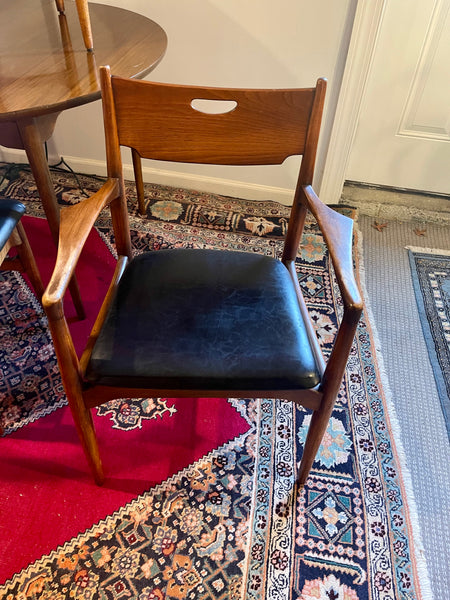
{"x": 403, "y": 134}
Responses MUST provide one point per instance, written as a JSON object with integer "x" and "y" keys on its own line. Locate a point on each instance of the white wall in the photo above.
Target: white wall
{"x": 251, "y": 43}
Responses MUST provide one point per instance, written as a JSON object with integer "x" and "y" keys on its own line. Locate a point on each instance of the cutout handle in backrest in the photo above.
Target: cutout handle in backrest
{"x": 213, "y": 107}
{"x": 160, "y": 122}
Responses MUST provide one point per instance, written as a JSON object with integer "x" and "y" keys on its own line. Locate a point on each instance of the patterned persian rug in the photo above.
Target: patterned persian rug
{"x": 230, "y": 525}
{"x": 431, "y": 278}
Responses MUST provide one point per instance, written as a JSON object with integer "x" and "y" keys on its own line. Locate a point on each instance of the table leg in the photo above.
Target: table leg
{"x": 32, "y": 142}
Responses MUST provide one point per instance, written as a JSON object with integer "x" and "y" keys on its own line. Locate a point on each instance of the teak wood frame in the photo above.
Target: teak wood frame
{"x": 120, "y": 96}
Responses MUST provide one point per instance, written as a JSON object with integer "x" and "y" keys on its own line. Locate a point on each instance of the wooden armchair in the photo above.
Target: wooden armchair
{"x": 201, "y": 322}
{"x": 12, "y": 235}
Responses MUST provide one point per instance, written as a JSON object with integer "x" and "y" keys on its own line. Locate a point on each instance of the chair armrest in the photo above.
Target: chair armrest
{"x": 75, "y": 225}
{"x": 337, "y": 230}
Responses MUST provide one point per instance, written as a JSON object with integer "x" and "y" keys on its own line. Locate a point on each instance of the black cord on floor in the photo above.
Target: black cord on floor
{"x": 12, "y": 171}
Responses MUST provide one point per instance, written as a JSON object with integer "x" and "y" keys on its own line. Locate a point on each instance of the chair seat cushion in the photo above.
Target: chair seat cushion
{"x": 204, "y": 320}
{"x": 11, "y": 212}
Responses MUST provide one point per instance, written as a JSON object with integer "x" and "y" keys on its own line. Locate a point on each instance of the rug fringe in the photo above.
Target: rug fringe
{"x": 436, "y": 251}
{"x": 417, "y": 548}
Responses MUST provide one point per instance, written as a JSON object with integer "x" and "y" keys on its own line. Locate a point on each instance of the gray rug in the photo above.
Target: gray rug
{"x": 410, "y": 378}
{"x": 430, "y": 271}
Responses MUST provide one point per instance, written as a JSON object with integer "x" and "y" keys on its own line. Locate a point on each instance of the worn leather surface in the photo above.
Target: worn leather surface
{"x": 11, "y": 212}
{"x": 204, "y": 319}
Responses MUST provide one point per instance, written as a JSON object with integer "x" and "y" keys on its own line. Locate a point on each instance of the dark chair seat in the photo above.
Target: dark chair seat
{"x": 11, "y": 212}
{"x": 233, "y": 323}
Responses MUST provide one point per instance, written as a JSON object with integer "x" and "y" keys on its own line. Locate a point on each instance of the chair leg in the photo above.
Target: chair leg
{"x": 69, "y": 366}
{"x": 317, "y": 428}
{"x": 137, "y": 165}
{"x": 28, "y": 261}
{"x": 85, "y": 22}
{"x": 85, "y": 428}
{"x": 60, "y": 6}
{"x": 82, "y": 417}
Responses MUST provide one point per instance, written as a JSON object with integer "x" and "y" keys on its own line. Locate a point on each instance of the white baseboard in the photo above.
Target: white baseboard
{"x": 213, "y": 185}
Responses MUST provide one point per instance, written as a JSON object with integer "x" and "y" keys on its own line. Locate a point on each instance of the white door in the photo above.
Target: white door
{"x": 403, "y": 133}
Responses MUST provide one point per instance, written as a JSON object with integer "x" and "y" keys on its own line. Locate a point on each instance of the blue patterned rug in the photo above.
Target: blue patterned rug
{"x": 231, "y": 525}
{"x": 431, "y": 279}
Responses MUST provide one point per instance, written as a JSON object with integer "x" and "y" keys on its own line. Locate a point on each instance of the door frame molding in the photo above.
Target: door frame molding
{"x": 363, "y": 40}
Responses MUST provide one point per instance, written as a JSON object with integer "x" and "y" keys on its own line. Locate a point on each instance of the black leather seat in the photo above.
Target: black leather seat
{"x": 213, "y": 319}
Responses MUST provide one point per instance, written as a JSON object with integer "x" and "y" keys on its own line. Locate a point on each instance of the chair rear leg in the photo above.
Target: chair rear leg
{"x": 137, "y": 166}
{"x": 28, "y": 262}
{"x": 317, "y": 428}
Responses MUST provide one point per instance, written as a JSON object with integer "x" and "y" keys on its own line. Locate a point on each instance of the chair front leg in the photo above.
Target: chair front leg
{"x": 70, "y": 370}
{"x": 84, "y": 424}
{"x": 331, "y": 382}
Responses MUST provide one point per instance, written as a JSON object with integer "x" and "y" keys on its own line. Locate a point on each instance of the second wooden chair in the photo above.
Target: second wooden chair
{"x": 85, "y": 21}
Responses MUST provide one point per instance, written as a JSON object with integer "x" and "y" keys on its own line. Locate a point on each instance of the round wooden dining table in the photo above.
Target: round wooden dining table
{"x": 45, "y": 69}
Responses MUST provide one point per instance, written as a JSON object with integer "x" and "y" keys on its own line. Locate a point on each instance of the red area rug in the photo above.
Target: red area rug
{"x": 47, "y": 493}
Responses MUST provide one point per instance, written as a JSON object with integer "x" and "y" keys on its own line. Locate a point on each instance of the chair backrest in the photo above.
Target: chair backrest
{"x": 168, "y": 122}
